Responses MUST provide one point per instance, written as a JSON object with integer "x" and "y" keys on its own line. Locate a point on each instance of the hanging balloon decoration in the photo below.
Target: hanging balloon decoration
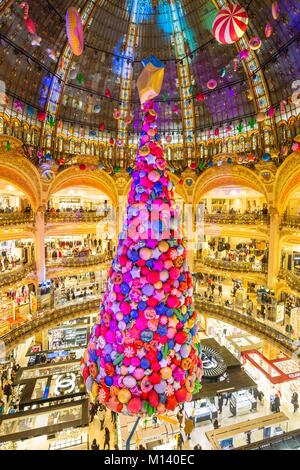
{"x": 296, "y": 147}
{"x": 275, "y": 10}
{"x": 18, "y": 106}
{"x": 75, "y": 31}
{"x": 107, "y": 93}
{"x": 268, "y": 30}
{"x": 255, "y": 43}
{"x": 212, "y": 84}
{"x": 244, "y": 54}
{"x": 97, "y": 108}
{"x": 117, "y": 114}
{"x": 200, "y": 97}
{"x": 230, "y": 24}
{"x": 271, "y": 112}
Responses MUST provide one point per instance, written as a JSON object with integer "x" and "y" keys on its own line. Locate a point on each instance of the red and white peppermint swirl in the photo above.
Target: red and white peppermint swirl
{"x": 129, "y": 352}
{"x": 230, "y": 24}
{"x": 173, "y": 254}
{"x": 102, "y": 395}
{"x": 169, "y": 390}
{"x": 163, "y": 320}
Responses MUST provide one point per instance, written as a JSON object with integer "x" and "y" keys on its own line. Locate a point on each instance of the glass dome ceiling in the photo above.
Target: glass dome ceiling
{"x": 119, "y": 34}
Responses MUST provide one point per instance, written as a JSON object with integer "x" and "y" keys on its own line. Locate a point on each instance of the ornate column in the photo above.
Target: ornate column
{"x": 274, "y": 244}
{"x": 39, "y": 238}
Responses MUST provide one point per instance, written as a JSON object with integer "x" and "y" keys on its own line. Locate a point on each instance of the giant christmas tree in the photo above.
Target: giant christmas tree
{"x": 143, "y": 356}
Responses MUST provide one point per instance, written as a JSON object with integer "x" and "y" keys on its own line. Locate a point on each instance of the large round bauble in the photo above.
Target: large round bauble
{"x": 230, "y": 24}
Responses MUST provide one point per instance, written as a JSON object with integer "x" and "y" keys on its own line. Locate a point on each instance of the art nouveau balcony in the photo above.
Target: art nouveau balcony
{"x": 237, "y": 266}
{"x": 77, "y": 261}
{"x": 292, "y": 280}
{"x": 292, "y": 221}
{"x": 15, "y": 275}
{"x": 263, "y": 329}
{"x": 16, "y": 218}
{"x": 237, "y": 219}
{"x": 75, "y": 217}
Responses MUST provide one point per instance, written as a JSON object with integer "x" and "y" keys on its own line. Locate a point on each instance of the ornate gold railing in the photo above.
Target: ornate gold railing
{"x": 16, "y": 218}
{"x": 251, "y": 324}
{"x": 239, "y": 266}
{"x": 16, "y": 274}
{"x": 75, "y": 261}
{"x": 291, "y": 279}
{"x": 291, "y": 221}
{"x": 49, "y": 317}
{"x": 243, "y": 219}
{"x": 75, "y": 216}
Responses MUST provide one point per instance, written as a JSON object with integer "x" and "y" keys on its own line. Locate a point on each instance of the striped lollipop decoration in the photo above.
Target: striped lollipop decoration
{"x": 230, "y": 24}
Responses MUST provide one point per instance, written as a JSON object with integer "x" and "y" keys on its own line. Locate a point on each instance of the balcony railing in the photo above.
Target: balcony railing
{"x": 291, "y": 220}
{"x": 16, "y": 274}
{"x": 47, "y": 317}
{"x": 16, "y": 218}
{"x": 75, "y": 217}
{"x": 292, "y": 279}
{"x": 237, "y": 219}
{"x": 257, "y": 327}
{"x": 75, "y": 261}
{"x": 240, "y": 266}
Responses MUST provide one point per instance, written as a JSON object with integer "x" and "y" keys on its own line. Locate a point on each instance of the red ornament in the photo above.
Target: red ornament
{"x": 230, "y": 24}
{"x": 30, "y": 25}
{"x": 102, "y": 127}
{"x": 82, "y": 167}
{"x": 107, "y": 93}
{"x": 200, "y": 97}
{"x": 41, "y": 115}
{"x": 111, "y": 141}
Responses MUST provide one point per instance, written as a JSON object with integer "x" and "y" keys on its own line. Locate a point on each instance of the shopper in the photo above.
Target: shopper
{"x": 188, "y": 427}
{"x": 180, "y": 418}
{"x": 107, "y": 439}
{"x": 220, "y": 403}
{"x": 248, "y": 437}
{"x": 94, "y": 445}
{"x": 295, "y": 401}
{"x": 277, "y": 403}
{"x": 114, "y": 418}
{"x": 116, "y": 447}
{"x": 197, "y": 447}
{"x": 216, "y": 424}
{"x": 179, "y": 441}
{"x": 7, "y": 391}
{"x": 101, "y": 415}
{"x": 2, "y": 407}
{"x": 261, "y": 397}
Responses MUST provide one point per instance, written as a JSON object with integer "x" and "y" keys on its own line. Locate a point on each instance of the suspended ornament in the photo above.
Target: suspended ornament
{"x": 266, "y": 157}
{"x": 30, "y": 26}
{"x": 244, "y": 54}
{"x": 255, "y": 43}
{"x": 201, "y": 165}
{"x": 92, "y": 167}
{"x": 169, "y": 138}
{"x": 229, "y": 161}
{"x": 180, "y": 182}
{"x": 129, "y": 170}
{"x": 282, "y": 106}
{"x": 101, "y": 166}
{"x": 30, "y": 111}
{"x": 18, "y": 106}
{"x": 117, "y": 169}
{"x": 102, "y": 127}
{"x": 251, "y": 158}
{"x": 200, "y": 97}
{"x": 150, "y": 80}
{"x": 48, "y": 157}
{"x": 73, "y": 74}
{"x": 111, "y": 141}
{"x": 212, "y": 84}
{"x": 268, "y": 30}
{"x": 92, "y": 133}
{"x": 230, "y": 24}
{"x": 235, "y": 64}
{"x": 175, "y": 109}
{"x": 120, "y": 142}
{"x": 51, "y": 121}
{"x": 219, "y": 163}
{"x": 61, "y": 161}
{"x": 129, "y": 118}
{"x": 223, "y": 72}
{"x": 107, "y": 93}
{"x": 81, "y": 132}
{"x": 52, "y": 54}
{"x": 41, "y": 115}
{"x": 82, "y": 167}
{"x": 193, "y": 166}
{"x": 189, "y": 138}
{"x": 217, "y": 132}
{"x": 117, "y": 114}
{"x": 97, "y": 108}
{"x": 228, "y": 129}
{"x": 36, "y": 40}
{"x": 240, "y": 128}
{"x": 296, "y": 147}
{"x": 75, "y": 31}
{"x": 8, "y": 146}
{"x": 260, "y": 117}
{"x": 210, "y": 164}
{"x": 231, "y": 92}
{"x": 30, "y": 151}
{"x": 252, "y": 122}
{"x": 39, "y": 154}
{"x": 271, "y": 112}
{"x": 275, "y": 10}
{"x": 25, "y": 7}
{"x": 240, "y": 160}
{"x": 80, "y": 78}
{"x": 164, "y": 96}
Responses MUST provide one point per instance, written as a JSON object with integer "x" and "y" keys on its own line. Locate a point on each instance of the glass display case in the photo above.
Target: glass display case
{"x": 242, "y": 402}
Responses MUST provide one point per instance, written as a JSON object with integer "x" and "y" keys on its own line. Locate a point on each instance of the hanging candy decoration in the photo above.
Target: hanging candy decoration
{"x": 268, "y": 30}
{"x": 25, "y": 7}
{"x": 101, "y": 166}
{"x": 251, "y": 158}
{"x": 212, "y": 84}
{"x": 271, "y": 112}
{"x": 117, "y": 169}
{"x": 252, "y": 122}
{"x": 200, "y": 97}
{"x": 80, "y": 78}
{"x": 296, "y": 147}
{"x": 117, "y": 114}
{"x": 82, "y": 167}
{"x": 180, "y": 182}
{"x": 51, "y": 121}
{"x": 75, "y": 31}
{"x": 228, "y": 129}
{"x": 41, "y": 115}
{"x": 30, "y": 111}
{"x": 175, "y": 109}
{"x": 52, "y": 54}
{"x": 36, "y": 40}
{"x": 266, "y": 157}
{"x": 107, "y": 93}
{"x": 244, "y": 54}
{"x": 39, "y": 154}
{"x": 230, "y": 24}
{"x": 97, "y": 108}
{"x": 255, "y": 43}
{"x": 275, "y": 10}
{"x": 18, "y": 106}
{"x": 164, "y": 96}
{"x": 169, "y": 138}
{"x": 231, "y": 92}
{"x": 235, "y": 64}
{"x": 240, "y": 128}
{"x": 201, "y": 165}
{"x": 30, "y": 26}
{"x": 260, "y": 117}
{"x": 111, "y": 141}
{"x": 217, "y": 132}
{"x": 193, "y": 166}
{"x": 223, "y": 72}
{"x": 102, "y": 127}
{"x": 150, "y": 79}
{"x": 282, "y": 106}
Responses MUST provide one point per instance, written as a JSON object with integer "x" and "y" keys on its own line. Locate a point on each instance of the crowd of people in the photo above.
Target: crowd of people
{"x": 16, "y": 210}
{"x": 99, "y": 410}
{"x": 8, "y": 375}
{"x": 102, "y": 209}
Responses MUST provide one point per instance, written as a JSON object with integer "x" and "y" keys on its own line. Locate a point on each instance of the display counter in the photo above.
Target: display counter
{"x": 242, "y": 403}
{"x": 201, "y": 410}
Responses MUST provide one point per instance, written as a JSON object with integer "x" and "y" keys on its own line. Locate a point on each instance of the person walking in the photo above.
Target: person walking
{"x": 7, "y": 391}
{"x": 188, "y": 427}
{"x": 216, "y": 424}
{"x": 180, "y": 418}
{"x": 179, "y": 441}
{"x": 106, "y": 439}
{"x": 220, "y": 403}
{"x": 101, "y": 415}
{"x": 114, "y": 418}
{"x": 94, "y": 445}
{"x": 2, "y": 407}
{"x": 277, "y": 403}
{"x": 295, "y": 401}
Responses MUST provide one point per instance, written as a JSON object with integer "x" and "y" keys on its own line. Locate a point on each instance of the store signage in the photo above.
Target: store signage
{"x": 280, "y": 312}
{"x": 65, "y": 383}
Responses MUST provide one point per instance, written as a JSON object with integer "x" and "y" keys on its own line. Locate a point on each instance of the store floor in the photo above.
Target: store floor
{"x": 96, "y": 433}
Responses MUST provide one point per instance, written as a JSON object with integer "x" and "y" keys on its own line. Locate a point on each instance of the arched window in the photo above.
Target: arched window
{"x": 82, "y": 148}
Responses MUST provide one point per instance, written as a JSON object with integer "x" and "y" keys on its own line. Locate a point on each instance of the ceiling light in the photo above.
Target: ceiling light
{"x": 10, "y": 188}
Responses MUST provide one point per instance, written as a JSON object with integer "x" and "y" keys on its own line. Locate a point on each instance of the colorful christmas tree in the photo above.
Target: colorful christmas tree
{"x": 143, "y": 355}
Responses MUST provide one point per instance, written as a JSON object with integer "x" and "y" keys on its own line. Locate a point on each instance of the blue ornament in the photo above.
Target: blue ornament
{"x": 108, "y": 381}
{"x": 134, "y": 314}
{"x": 142, "y": 305}
{"x": 266, "y": 157}
{"x": 145, "y": 364}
